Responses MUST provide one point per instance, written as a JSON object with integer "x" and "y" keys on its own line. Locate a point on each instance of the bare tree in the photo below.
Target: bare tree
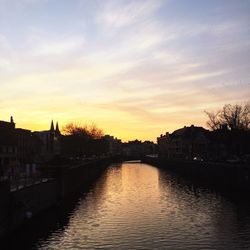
{"x": 91, "y": 131}
{"x": 95, "y": 132}
{"x": 75, "y": 129}
{"x": 214, "y": 121}
{"x": 231, "y": 114}
{"x": 234, "y": 116}
{"x": 246, "y": 115}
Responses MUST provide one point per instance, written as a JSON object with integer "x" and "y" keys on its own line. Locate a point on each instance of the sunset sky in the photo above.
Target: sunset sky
{"x": 134, "y": 68}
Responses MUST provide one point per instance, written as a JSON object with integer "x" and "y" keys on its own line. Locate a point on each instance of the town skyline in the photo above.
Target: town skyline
{"x": 134, "y": 68}
{"x": 63, "y": 126}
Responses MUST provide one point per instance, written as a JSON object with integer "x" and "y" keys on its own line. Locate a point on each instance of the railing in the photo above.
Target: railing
{"x": 20, "y": 183}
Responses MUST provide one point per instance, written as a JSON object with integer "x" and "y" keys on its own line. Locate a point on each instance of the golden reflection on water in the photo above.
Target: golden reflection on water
{"x": 137, "y": 206}
{"x": 128, "y": 187}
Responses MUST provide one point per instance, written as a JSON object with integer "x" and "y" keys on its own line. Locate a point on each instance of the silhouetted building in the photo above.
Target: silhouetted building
{"x": 114, "y": 145}
{"x": 229, "y": 144}
{"x": 8, "y": 148}
{"x": 51, "y": 142}
{"x": 185, "y": 143}
{"x": 149, "y": 148}
{"x": 20, "y": 149}
{"x": 29, "y": 148}
{"x": 138, "y": 149}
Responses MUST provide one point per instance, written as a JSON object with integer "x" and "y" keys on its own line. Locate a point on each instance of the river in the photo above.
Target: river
{"x": 138, "y": 206}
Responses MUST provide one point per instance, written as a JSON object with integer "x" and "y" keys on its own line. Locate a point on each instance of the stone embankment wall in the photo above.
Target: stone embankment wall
{"x": 30, "y": 201}
{"x": 228, "y": 176}
{"x": 75, "y": 179}
{"x": 4, "y": 206}
{"x": 19, "y": 206}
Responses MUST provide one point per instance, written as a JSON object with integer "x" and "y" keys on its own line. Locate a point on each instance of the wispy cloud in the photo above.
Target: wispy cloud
{"x": 136, "y": 66}
{"x": 120, "y": 13}
{"x": 58, "y": 46}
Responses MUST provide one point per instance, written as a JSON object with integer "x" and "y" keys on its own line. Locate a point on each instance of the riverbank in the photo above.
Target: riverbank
{"x": 231, "y": 177}
{"x": 65, "y": 181}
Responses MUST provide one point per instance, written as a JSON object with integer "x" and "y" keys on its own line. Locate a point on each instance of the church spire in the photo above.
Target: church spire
{"x": 57, "y": 128}
{"x": 52, "y": 126}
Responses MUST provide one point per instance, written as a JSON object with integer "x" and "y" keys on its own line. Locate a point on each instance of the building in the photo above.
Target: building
{"x": 50, "y": 142}
{"x": 8, "y": 148}
{"x": 229, "y": 144}
{"x": 149, "y": 148}
{"x": 138, "y": 149}
{"x": 114, "y": 145}
{"x": 20, "y": 150}
{"x": 28, "y": 150}
{"x": 186, "y": 143}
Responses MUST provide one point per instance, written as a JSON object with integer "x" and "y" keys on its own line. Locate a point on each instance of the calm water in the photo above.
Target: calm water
{"x": 137, "y": 206}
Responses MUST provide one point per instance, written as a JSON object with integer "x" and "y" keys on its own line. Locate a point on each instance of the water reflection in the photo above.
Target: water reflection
{"x": 137, "y": 206}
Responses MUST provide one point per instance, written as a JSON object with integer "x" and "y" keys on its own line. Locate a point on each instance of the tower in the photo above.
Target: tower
{"x": 57, "y": 128}
{"x": 52, "y": 126}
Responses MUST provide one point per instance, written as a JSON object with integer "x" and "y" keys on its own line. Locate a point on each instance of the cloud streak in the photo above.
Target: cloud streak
{"x": 120, "y": 13}
{"x": 136, "y": 68}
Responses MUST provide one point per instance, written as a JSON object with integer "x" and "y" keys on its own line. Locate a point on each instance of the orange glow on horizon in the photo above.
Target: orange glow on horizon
{"x": 115, "y": 130}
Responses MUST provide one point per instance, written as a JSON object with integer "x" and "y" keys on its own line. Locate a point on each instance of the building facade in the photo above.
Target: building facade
{"x": 114, "y": 145}
{"x": 8, "y": 148}
{"x": 50, "y": 142}
{"x": 187, "y": 143}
